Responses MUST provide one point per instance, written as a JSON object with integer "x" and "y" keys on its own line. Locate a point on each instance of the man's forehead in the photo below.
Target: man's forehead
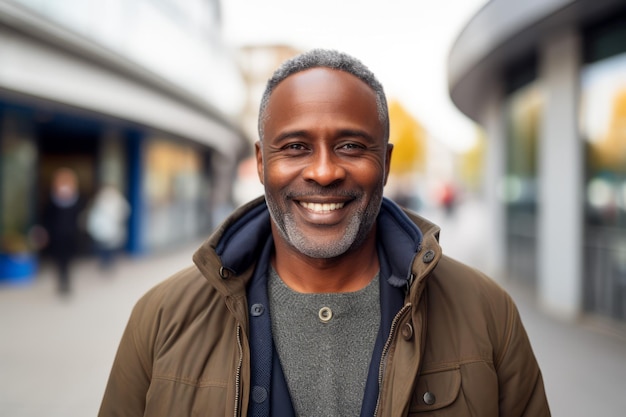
{"x": 320, "y": 80}
{"x": 322, "y": 96}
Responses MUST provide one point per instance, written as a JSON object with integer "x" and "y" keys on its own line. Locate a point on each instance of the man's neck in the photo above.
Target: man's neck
{"x": 349, "y": 272}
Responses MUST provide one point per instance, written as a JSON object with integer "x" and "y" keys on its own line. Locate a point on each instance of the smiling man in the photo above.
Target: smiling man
{"x": 323, "y": 298}
{"x": 324, "y": 159}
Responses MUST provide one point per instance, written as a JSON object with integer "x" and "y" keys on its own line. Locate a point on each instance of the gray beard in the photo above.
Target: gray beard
{"x": 356, "y": 232}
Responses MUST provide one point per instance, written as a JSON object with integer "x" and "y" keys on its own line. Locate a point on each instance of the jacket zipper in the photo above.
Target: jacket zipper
{"x": 238, "y": 372}
{"x": 383, "y": 358}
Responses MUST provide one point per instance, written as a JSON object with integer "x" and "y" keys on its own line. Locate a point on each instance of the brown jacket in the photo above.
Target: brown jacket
{"x": 457, "y": 348}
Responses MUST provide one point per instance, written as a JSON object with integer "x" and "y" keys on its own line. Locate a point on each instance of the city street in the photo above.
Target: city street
{"x": 55, "y": 353}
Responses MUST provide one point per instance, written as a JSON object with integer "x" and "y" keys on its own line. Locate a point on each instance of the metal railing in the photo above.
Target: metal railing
{"x": 605, "y": 271}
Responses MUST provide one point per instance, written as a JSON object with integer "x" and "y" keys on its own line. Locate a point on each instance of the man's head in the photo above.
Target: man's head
{"x": 64, "y": 184}
{"x": 323, "y": 58}
{"x": 324, "y": 155}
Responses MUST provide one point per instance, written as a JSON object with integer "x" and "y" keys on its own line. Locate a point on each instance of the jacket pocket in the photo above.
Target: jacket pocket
{"x": 436, "y": 389}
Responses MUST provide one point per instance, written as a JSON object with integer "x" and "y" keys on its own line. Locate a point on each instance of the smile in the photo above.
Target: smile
{"x": 321, "y": 207}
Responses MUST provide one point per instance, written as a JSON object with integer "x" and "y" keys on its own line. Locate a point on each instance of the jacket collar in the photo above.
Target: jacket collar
{"x": 401, "y": 241}
{"x": 402, "y": 235}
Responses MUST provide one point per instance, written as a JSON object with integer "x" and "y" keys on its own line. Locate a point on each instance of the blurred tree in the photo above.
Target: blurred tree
{"x": 409, "y": 141}
{"x": 471, "y": 162}
{"x": 610, "y": 152}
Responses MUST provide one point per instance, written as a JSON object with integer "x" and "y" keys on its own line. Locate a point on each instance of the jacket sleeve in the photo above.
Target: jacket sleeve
{"x": 521, "y": 389}
{"x": 129, "y": 380}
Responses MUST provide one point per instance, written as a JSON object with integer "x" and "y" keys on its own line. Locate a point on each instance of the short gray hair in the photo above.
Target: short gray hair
{"x": 325, "y": 58}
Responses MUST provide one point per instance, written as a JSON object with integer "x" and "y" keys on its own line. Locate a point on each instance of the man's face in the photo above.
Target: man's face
{"x": 324, "y": 161}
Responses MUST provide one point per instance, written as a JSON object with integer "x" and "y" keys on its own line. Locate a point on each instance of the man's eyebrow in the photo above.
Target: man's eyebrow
{"x": 291, "y": 134}
{"x": 356, "y": 133}
{"x": 342, "y": 133}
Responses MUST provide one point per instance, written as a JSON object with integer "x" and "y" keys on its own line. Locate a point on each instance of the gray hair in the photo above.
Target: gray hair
{"x": 328, "y": 59}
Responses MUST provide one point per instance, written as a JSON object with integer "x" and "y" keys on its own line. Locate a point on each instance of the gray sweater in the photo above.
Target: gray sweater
{"x": 325, "y": 344}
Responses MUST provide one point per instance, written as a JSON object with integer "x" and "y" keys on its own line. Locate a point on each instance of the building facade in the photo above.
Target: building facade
{"x": 140, "y": 94}
{"x": 547, "y": 81}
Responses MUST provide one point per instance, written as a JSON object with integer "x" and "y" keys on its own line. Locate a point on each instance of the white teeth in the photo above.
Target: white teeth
{"x": 321, "y": 208}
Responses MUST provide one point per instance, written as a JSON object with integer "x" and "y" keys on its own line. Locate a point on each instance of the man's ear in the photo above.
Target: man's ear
{"x": 259, "y": 160}
{"x": 388, "y": 161}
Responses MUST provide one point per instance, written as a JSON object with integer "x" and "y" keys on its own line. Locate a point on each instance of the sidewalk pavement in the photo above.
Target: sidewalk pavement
{"x": 55, "y": 353}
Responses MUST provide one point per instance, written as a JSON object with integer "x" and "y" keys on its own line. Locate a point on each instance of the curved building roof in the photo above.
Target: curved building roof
{"x": 44, "y": 60}
{"x": 504, "y": 31}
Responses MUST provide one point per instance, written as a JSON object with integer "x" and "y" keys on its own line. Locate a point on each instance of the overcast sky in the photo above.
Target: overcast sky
{"x": 404, "y": 42}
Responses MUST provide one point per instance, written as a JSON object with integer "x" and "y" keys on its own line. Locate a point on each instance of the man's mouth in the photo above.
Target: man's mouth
{"x": 321, "y": 207}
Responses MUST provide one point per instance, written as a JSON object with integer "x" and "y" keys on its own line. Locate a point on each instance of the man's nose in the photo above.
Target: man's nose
{"x": 324, "y": 168}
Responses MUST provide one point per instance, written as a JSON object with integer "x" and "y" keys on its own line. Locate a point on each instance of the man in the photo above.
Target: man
{"x": 106, "y": 223}
{"x": 61, "y": 224}
{"x": 323, "y": 298}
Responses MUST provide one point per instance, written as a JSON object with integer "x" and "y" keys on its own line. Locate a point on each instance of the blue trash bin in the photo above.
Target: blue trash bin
{"x": 17, "y": 268}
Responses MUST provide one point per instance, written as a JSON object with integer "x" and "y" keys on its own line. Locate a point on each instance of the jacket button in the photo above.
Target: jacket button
{"x": 224, "y": 273}
{"x": 429, "y": 398}
{"x": 257, "y": 310}
{"x": 407, "y": 331}
{"x": 259, "y": 394}
{"x": 428, "y": 256}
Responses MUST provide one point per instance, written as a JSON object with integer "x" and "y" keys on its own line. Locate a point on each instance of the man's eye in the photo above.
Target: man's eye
{"x": 351, "y": 146}
{"x": 294, "y": 147}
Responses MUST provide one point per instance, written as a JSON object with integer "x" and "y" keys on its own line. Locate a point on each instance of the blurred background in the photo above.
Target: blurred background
{"x": 509, "y": 125}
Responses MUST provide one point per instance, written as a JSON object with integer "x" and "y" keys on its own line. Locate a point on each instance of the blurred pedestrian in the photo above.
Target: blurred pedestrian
{"x": 61, "y": 223}
{"x": 448, "y": 198}
{"x": 107, "y": 223}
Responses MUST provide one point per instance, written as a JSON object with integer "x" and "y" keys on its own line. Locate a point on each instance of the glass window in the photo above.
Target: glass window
{"x": 17, "y": 180}
{"x": 173, "y": 193}
{"x": 519, "y": 191}
{"x": 603, "y": 127}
